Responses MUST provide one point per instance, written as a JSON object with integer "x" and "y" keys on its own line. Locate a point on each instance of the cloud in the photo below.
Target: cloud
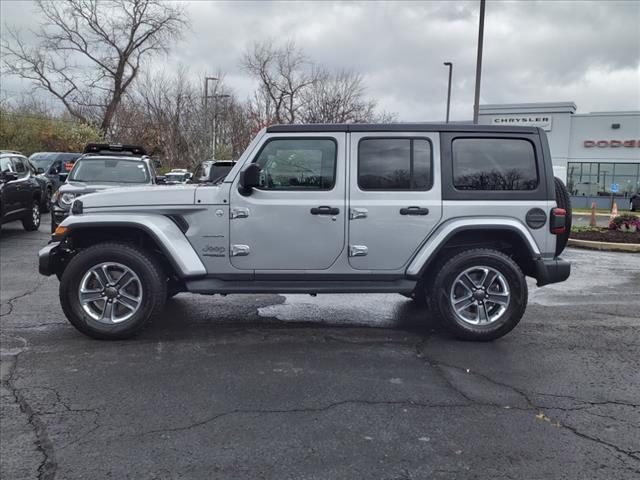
{"x": 588, "y": 52}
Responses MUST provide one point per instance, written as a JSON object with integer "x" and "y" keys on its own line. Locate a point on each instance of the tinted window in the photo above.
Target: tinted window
{"x": 5, "y": 164}
{"x": 20, "y": 167}
{"x": 300, "y": 164}
{"x": 45, "y": 159}
{"x": 494, "y": 164}
{"x": 394, "y": 164}
{"x": 109, "y": 170}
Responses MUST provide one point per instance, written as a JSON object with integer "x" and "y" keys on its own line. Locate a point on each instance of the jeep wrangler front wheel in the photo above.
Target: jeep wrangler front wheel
{"x": 111, "y": 290}
{"x": 481, "y": 294}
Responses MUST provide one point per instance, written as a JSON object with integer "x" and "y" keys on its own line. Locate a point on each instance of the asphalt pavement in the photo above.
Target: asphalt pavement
{"x": 327, "y": 387}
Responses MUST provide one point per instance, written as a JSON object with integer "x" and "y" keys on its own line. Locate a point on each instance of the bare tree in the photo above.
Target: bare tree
{"x": 90, "y": 51}
{"x": 339, "y": 98}
{"x": 283, "y": 74}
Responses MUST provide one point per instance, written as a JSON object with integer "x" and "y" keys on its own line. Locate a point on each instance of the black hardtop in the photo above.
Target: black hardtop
{"x": 399, "y": 127}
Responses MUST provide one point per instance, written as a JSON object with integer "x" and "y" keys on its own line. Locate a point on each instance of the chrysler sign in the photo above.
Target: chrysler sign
{"x": 542, "y": 121}
{"x": 611, "y": 143}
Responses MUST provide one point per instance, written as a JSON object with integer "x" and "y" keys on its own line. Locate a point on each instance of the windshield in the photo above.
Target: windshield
{"x": 45, "y": 159}
{"x": 176, "y": 177}
{"x": 220, "y": 172}
{"x": 109, "y": 170}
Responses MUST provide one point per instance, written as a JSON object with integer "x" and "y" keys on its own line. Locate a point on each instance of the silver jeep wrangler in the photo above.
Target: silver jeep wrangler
{"x": 453, "y": 216}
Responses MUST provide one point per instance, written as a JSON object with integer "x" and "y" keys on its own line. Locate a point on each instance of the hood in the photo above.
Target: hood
{"x": 141, "y": 196}
{"x": 84, "y": 188}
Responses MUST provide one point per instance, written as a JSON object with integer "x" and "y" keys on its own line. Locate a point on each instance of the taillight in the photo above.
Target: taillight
{"x": 558, "y": 221}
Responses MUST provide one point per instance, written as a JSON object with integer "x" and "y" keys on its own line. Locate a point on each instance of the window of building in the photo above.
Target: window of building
{"x": 494, "y": 164}
{"x": 298, "y": 164}
{"x": 595, "y": 179}
{"x": 394, "y": 164}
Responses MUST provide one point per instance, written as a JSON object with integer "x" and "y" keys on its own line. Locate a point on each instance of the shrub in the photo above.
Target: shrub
{"x": 585, "y": 228}
{"x": 627, "y": 222}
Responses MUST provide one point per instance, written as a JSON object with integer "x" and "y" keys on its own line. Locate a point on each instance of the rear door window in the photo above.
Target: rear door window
{"x": 394, "y": 164}
{"x": 494, "y": 164}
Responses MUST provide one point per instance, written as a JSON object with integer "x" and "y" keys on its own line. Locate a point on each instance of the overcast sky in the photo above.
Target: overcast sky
{"x": 586, "y": 52}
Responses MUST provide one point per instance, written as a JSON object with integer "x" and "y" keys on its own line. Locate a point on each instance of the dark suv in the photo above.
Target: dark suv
{"x": 20, "y": 192}
{"x": 53, "y": 164}
{"x": 102, "y": 167}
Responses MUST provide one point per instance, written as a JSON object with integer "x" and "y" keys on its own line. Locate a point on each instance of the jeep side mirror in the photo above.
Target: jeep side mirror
{"x": 249, "y": 178}
{"x": 161, "y": 179}
{"x": 63, "y": 176}
{"x": 40, "y": 170}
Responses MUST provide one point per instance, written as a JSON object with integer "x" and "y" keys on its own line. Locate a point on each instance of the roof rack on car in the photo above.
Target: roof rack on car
{"x": 111, "y": 148}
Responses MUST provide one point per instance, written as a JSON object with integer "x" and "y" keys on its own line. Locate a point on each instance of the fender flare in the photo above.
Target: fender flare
{"x": 439, "y": 238}
{"x": 177, "y": 249}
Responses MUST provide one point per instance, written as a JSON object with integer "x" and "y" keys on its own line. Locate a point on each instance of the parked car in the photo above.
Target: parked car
{"x": 212, "y": 171}
{"x": 102, "y": 167}
{"x": 177, "y": 175}
{"x": 634, "y": 202}
{"x": 53, "y": 164}
{"x": 20, "y": 192}
{"x": 46, "y": 187}
{"x": 454, "y": 216}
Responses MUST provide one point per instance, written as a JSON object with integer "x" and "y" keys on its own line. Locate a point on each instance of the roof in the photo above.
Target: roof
{"x": 525, "y": 108}
{"x": 397, "y": 127}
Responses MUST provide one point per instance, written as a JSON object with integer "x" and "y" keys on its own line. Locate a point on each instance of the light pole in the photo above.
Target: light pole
{"x": 206, "y": 108}
{"x": 450, "y": 65}
{"x": 476, "y": 100}
{"x": 215, "y": 97}
{"x": 213, "y": 139}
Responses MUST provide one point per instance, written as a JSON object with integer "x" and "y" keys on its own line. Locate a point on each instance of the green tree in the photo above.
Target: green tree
{"x": 30, "y": 133}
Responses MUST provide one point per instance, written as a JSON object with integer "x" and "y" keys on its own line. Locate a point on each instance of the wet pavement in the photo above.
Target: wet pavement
{"x": 334, "y": 386}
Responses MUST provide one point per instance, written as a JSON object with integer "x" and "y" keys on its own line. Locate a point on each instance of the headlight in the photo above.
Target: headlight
{"x": 67, "y": 198}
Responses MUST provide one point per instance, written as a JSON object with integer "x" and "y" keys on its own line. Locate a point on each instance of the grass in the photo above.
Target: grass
{"x": 587, "y": 211}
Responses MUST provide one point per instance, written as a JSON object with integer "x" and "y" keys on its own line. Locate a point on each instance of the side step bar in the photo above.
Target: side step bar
{"x": 215, "y": 285}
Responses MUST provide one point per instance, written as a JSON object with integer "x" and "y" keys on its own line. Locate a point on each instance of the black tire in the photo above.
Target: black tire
{"x": 517, "y": 300}
{"x": 45, "y": 203}
{"x": 563, "y": 200}
{"x": 32, "y": 221}
{"x": 146, "y": 267}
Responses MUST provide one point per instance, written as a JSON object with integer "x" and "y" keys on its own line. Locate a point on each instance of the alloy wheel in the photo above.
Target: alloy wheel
{"x": 479, "y": 295}
{"x": 110, "y": 292}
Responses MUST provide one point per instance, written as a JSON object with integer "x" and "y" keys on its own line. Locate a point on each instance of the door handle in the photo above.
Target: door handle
{"x": 414, "y": 211}
{"x": 324, "y": 210}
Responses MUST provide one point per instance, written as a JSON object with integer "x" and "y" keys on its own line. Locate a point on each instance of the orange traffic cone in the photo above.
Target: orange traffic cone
{"x": 614, "y": 212}
{"x": 592, "y": 221}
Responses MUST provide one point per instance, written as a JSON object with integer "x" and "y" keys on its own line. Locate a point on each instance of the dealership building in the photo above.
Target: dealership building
{"x": 597, "y": 154}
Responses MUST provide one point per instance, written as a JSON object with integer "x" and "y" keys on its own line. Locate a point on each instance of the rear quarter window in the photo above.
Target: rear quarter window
{"x": 504, "y": 164}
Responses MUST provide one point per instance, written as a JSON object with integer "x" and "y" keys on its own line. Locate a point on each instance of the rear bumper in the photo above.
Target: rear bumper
{"x": 551, "y": 270}
{"x": 48, "y": 258}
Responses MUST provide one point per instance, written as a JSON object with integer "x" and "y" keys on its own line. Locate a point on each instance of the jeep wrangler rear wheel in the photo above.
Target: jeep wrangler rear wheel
{"x": 111, "y": 290}
{"x": 481, "y": 294}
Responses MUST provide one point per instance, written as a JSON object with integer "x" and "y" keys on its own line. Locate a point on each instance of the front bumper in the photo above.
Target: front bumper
{"x": 58, "y": 214}
{"x": 551, "y": 270}
{"x": 49, "y": 259}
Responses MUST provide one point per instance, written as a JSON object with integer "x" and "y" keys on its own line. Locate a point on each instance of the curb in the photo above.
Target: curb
{"x": 605, "y": 246}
